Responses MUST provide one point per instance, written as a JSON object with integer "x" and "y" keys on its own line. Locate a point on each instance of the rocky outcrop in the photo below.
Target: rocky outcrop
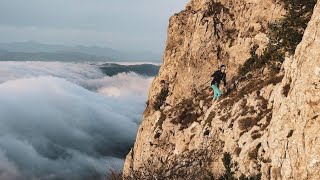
{"x": 293, "y": 138}
{"x": 265, "y": 128}
{"x": 210, "y": 33}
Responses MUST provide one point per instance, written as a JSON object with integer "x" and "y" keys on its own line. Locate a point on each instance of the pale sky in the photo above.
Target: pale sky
{"x": 121, "y": 24}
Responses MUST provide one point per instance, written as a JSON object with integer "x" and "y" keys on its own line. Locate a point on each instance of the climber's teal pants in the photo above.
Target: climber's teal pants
{"x": 217, "y": 92}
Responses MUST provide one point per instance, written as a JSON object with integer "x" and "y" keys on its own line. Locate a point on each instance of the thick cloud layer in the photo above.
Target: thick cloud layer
{"x": 67, "y": 121}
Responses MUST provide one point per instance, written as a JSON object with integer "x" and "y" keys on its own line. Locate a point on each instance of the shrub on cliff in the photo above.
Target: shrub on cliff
{"x": 161, "y": 98}
{"x": 112, "y": 175}
{"x": 229, "y": 174}
{"x": 284, "y": 36}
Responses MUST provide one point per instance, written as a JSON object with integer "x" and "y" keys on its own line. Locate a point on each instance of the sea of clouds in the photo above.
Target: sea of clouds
{"x": 66, "y": 120}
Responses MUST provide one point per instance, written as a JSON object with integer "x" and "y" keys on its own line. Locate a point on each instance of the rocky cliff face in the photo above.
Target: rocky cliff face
{"x": 293, "y": 137}
{"x": 265, "y": 128}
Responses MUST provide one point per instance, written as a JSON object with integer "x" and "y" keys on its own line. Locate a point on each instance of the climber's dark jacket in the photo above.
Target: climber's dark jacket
{"x": 218, "y": 76}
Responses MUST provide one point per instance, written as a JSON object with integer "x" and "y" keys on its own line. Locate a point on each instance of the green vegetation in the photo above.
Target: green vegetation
{"x": 161, "y": 98}
{"x": 284, "y": 36}
{"x": 288, "y": 33}
{"x": 186, "y": 113}
{"x": 191, "y": 165}
{"x": 113, "y": 175}
{"x": 247, "y": 123}
{"x": 229, "y": 174}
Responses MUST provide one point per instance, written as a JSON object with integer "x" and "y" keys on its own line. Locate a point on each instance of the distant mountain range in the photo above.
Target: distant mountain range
{"x": 33, "y": 51}
{"x": 111, "y": 69}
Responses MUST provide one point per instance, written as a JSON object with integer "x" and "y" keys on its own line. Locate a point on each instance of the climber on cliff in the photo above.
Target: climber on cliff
{"x": 218, "y": 76}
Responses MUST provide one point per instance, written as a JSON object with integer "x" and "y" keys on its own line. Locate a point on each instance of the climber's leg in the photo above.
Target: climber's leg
{"x": 217, "y": 92}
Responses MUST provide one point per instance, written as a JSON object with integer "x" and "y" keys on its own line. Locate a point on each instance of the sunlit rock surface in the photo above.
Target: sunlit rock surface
{"x": 266, "y": 129}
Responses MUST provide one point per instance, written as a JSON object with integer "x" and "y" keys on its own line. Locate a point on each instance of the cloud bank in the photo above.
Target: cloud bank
{"x": 67, "y": 122}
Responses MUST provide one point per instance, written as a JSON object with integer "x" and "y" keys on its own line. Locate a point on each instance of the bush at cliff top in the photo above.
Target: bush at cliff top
{"x": 284, "y": 36}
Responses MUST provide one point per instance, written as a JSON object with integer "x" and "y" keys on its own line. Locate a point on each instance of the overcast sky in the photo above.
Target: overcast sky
{"x": 121, "y": 24}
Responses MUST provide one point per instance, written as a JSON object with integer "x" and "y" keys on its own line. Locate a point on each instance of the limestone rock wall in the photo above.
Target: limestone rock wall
{"x": 210, "y": 33}
{"x": 294, "y": 137}
{"x": 267, "y": 129}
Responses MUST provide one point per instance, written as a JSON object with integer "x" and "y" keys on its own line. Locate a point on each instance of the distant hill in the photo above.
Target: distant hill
{"x": 50, "y": 56}
{"x": 32, "y": 51}
{"x": 112, "y": 69}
